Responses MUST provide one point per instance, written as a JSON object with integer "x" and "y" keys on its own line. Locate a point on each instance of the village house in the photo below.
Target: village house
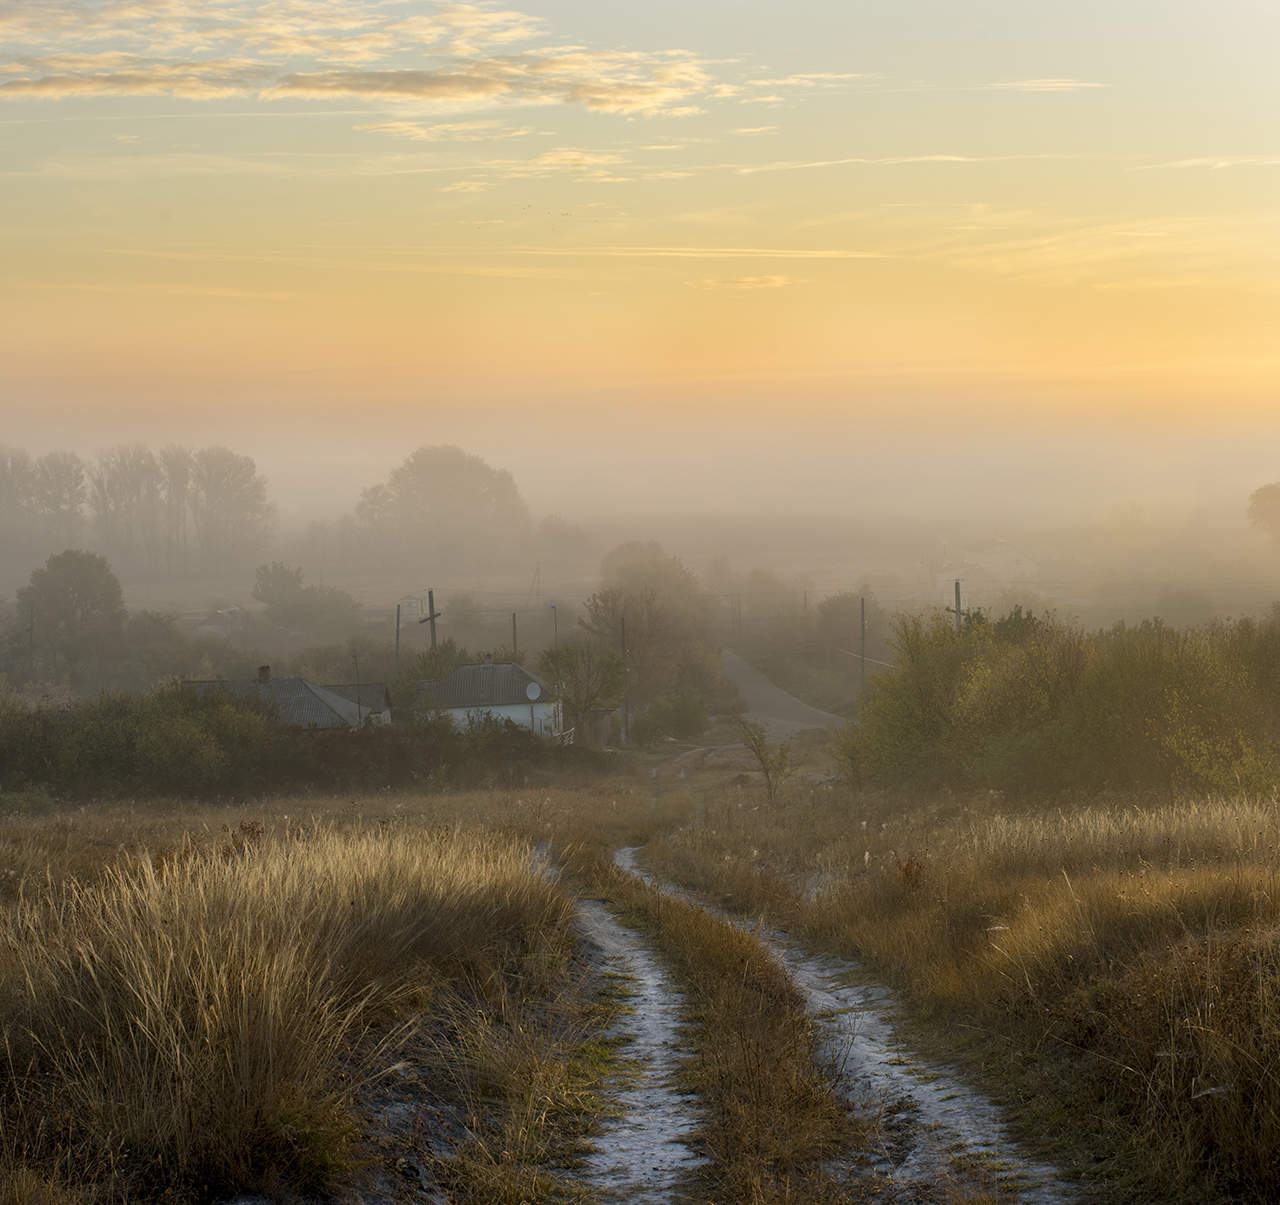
{"x": 503, "y": 690}
{"x": 299, "y": 703}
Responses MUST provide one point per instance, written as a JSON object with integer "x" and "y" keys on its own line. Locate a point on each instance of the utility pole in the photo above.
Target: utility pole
{"x": 31, "y": 640}
{"x": 397, "y": 640}
{"x": 431, "y": 616}
{"x": 515, "y": 655}
{"x": 862, "y": 607}
{"x": 959, "y": 613}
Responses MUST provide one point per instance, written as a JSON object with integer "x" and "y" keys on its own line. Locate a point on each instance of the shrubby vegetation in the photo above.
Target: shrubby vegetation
{"x": 1031, "y": 703}
{"x": 179, "y": 742}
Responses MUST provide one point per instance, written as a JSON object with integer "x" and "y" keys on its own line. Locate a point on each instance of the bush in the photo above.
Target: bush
{"x": 1029, "y": 703}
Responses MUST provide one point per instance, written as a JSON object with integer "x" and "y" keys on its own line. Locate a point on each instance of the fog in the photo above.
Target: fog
{"x": 1098, "y": 518}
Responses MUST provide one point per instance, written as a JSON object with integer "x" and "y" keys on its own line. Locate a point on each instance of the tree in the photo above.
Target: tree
{"x": 176, "y": 467}
{"x": 17, "y": 496}
{"x": 60, "y": 493}
{"x": 292, "y": 603}
{"x": 775, "y": 764}
{"x": 229, "y": 506}
{"x": 441, "y": 501}
{"x": 124, "y": 487}
{"x": 72, "y": 607}
{"x": 1264, "y": 510}
{"x": 587, "y": 676}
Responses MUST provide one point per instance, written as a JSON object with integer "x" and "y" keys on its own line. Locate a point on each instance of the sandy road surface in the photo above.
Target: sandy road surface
{"x": 782, "y": 715}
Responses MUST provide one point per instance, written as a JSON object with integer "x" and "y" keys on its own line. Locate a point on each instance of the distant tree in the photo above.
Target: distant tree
{"x": 441, "y": 502}
{"x": 291, "y": 603}
{"x": 17, "y": 497}
{"x": 60, "y": 493}
{"x": 1264, "y": 510}
{"x": 587, "y": 676}
{"x": 72, "y": 606}
{"x": 176, "y": 468}
{"x": 230, "y": 511}
{"x": 124, "y": 488}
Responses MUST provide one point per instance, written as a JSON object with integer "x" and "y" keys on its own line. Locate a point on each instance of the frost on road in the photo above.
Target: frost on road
{"x": 643, "y": 1152}
{"x": 937, "y": 1134}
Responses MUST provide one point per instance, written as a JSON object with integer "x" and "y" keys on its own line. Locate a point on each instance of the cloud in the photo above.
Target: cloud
{"x": 624, "y": 82}
{"x": 1046, "y": 85}
{"x": 752, "y": 130}
{"x": 793, "y": 165}
{"x": 745, "y": 283}
{"x": 207, "y": 80}
{"x": 466, "y": 186}
{"x": 1214, "y": 164}
{"x": 447, "y": 131}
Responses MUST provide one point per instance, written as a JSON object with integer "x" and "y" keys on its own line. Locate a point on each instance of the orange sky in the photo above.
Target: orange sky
{"x": 895, "y": 210}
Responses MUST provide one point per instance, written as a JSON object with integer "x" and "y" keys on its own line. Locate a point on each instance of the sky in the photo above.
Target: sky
{"x": 605, "y": 243}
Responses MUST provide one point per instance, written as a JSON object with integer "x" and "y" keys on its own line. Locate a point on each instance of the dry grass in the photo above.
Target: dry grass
{"x": 772, "y": 1119}
{"x": 174, "y": 1023}
{"x": 1125, "y": 962}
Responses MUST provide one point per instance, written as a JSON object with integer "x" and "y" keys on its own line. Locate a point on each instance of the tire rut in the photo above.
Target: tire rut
{"x": 643, "y": 1153}
{"x": 938, "y": 1135}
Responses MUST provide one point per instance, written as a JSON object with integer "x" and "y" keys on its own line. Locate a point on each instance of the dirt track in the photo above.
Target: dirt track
{"x": 781, "y": 714}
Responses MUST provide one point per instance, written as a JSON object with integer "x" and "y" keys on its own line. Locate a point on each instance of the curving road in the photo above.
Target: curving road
{"x": 781, "y": 715}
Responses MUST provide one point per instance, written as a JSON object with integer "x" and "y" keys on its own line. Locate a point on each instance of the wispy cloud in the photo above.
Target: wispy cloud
{"x": 447, "y": 131}
{"x": 745, "y": 283}
{"x": 1214, "y": 163}
{"x": 793, "y": 165}
{"x": 1046, "y": 85}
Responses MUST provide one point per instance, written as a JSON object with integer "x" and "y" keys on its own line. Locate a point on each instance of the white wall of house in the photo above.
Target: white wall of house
{"x": 541, "y": 718}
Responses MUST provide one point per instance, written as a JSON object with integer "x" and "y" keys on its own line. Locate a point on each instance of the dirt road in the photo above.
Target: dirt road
{"x": 782, "y": 715}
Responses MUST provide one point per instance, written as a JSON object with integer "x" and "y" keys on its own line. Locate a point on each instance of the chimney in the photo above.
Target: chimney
{"x": 264, "y": 673}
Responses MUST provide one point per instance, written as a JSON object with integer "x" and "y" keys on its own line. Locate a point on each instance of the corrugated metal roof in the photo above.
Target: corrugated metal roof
{"x": 493, "y": 684}
{"x": 372, "y": 696}
{"x": 298, "y": 703}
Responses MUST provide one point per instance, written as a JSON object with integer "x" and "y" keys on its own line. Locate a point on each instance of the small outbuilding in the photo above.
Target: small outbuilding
{"x": 501, "y": 689}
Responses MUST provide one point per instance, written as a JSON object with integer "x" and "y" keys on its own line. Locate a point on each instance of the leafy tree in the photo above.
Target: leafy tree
{"x": 587, "y": 675}
{"x": 73, "y": 605}
{"x": 17, "y": 496}
{"x": 229, "y": 506}
{"x": 124, "y": 486}
{"x": 59, "y": 494}
{"x": 291, "y": 603}
{"x": 442, "y": 502}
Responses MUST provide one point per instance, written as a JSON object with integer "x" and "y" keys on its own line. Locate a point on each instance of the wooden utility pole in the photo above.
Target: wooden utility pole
{"x": 355, "y": 657}
{"x": 397, "y": 640}
{"x": 431, "y": 616}
{"x": 515, "y": 653}
{"x": 959, "y": 615}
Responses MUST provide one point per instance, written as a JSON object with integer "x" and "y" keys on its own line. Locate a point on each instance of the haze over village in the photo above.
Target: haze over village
{"x": 663, "y": 603}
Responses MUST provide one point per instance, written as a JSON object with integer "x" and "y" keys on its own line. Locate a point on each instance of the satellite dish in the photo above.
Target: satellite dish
{"x": 532, "y": 692}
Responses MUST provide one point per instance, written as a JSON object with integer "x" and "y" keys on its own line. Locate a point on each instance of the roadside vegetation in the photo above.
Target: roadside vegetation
{"x": 1109, "y": 969}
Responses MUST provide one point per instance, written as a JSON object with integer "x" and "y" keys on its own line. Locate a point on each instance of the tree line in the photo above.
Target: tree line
{"x": 145, "y": 509}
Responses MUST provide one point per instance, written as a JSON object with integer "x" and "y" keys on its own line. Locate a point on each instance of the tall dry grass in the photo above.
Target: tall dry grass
{"x": 177, "y": 1023}
{"x": 1125, "y": 962}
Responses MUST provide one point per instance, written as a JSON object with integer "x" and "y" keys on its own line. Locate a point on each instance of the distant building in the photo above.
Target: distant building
{"x": 503, "y": 690}
{"x": 372, "y": 698}
{"x": 297, "y": 702}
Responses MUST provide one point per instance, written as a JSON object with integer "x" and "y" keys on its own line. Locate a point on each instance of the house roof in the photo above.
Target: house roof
{"x": 493, "y": 684}
{"x": 371, "y": 696}
{"x": 297, "y": 702}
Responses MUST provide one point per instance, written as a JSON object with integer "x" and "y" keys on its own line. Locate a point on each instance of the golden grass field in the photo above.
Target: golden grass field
{"x": 194, "y": 999}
